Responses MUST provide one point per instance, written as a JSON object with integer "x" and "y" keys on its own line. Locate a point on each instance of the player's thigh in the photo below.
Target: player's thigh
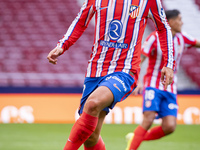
{"x": 120, "y": 84}
{"x": 99, "y": 99}
{"x": 148, "y": 118}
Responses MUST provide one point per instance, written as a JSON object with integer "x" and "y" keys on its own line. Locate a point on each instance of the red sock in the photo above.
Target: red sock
{"x": 154, "y": 133}
{"x": 81, "y": 131}
{"x": 138, "y": 137}
{"x": 99, "y": 146}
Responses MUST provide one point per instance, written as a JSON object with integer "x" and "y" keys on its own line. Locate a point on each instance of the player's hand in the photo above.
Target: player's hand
{"x": 52, "y": 56}
{"x": 138, "y": 89}
{"x": 166, "y": 76}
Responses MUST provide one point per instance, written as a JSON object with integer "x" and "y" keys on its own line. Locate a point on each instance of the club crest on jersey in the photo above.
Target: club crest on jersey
{"x": 134, "y": 11}
{"x": 147, "y": 104}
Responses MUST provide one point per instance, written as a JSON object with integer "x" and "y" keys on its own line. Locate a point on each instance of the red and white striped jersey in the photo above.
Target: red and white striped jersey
{"x": 119, "y": 27}
{"x": 151, "y": 49}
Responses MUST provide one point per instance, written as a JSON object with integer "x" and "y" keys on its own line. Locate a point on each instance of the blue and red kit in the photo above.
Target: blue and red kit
{"x": 119, "y": 27}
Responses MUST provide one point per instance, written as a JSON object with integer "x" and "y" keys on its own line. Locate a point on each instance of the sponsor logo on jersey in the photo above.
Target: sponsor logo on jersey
{"x": 113, "y": 44}
{"x": 115, "y": 30}
{"x": 134, "y": 11}
{"x": 114, "y": 33}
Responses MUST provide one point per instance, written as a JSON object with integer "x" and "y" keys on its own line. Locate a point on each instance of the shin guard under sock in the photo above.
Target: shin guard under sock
{"x": 154, "y": 133}
{"x": 81, "y": 131}
{"x": 138, "y": 137}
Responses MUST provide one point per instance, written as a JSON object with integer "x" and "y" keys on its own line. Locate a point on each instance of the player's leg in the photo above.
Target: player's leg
{"x": 86, "y": 124}
{"x": 121, "y": 85}
{"x": 168, "y": 113}
{"x": 168, "y": 126}
{"x": 148, "y": 118}
{"x": 99, "y": 99}
{"x": 154, "y": 133}
{"x": 141, "y": 130}
{"x": 151, "y": 101}
{"x": 95, "y": 142}
{"x": 111, "y": 89}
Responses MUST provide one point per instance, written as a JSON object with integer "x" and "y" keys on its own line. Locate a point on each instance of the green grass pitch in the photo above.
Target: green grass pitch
{"x": 54, "y": 136}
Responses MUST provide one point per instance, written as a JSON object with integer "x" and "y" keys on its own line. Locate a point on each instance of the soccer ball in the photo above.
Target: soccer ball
{"x": 129, "y": 136}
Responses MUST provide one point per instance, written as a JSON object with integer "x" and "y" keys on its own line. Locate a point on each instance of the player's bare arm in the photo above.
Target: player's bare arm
{"x": 166, "y": 76}
{"x": 166, "y": 47}
{"x": 53, "y": 55}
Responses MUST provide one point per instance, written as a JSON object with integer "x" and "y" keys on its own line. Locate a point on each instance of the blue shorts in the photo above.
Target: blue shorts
{"x": 163, "y": 102}
{"x": 121, "y": 85}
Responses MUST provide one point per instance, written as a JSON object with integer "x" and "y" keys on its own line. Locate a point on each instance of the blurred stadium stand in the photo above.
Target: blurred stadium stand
{"x": 197, "y": 2}
{"x": 29, "y": 29}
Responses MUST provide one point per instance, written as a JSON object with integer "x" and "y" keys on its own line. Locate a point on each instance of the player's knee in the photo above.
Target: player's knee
{"x": 92, "y": 107}
{"x": 148, "y": 118}
{"x": 169, "y": 128}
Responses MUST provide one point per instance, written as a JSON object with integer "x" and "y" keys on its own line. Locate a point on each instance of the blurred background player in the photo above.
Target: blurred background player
{"x": 114, "y": 64}
{"x": 158, "y": 102}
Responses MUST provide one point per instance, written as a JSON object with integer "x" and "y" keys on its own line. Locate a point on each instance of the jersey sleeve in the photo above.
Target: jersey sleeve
{"x": 78, "y": 26}
{"x": 188, "y": 40}
{"x": 149, "y": 44}
{"x": 157, "y": 14}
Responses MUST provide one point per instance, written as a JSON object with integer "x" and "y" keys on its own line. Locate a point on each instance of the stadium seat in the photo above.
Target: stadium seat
{"x": 197, "y": 2}
{"x": 190, "y": 62}
{"x": 29, "y": 30}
